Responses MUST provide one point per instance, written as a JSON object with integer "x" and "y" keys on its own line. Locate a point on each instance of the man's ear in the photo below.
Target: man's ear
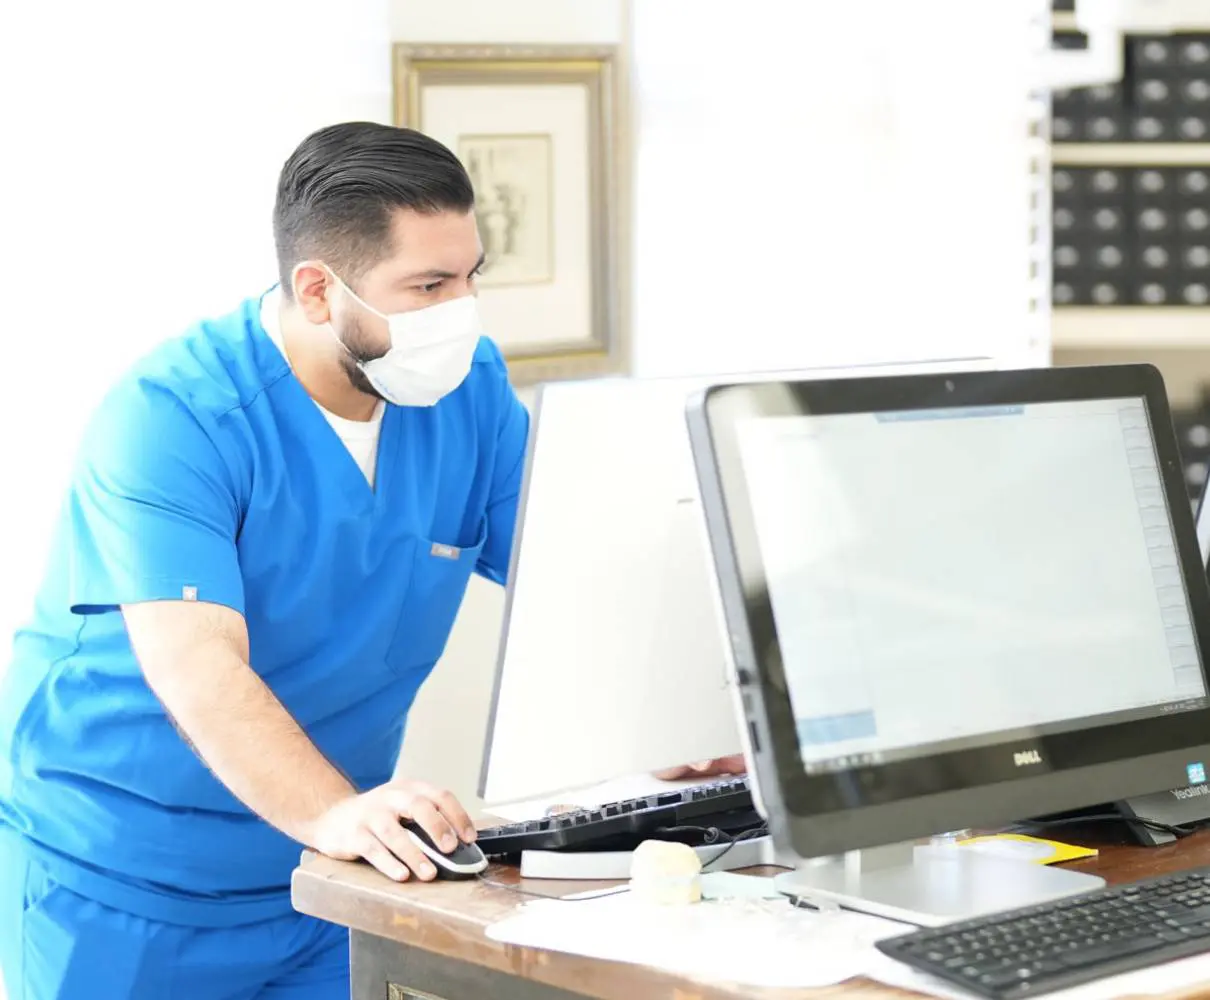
{"x": 312, "y": 285}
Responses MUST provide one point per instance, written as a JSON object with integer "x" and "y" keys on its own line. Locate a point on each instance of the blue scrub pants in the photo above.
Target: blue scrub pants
{"x": 56, "y": 945}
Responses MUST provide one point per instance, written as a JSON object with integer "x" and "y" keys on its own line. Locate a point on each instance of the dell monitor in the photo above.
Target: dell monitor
{"x": 610, "y": 663}
{"x": 953, "y": 601}
{"x": 1156, "y": 820}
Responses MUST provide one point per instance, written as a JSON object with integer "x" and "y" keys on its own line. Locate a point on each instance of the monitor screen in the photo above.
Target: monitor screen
{"x": 1016, "y": 562}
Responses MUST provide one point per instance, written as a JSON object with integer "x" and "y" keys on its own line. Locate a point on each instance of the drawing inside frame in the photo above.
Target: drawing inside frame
{"x": 534, "y": 127}
{"x": 511, "y": 176}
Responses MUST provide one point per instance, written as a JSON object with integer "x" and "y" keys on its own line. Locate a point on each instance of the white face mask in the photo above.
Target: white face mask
{"x": 430, "y": 354}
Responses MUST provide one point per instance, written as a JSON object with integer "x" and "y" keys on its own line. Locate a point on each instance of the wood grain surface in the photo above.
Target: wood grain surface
{"x": 450, "y": 919}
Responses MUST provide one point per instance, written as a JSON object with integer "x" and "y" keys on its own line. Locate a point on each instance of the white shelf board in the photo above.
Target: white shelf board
{"x": 1140, "y": 327}
{"x": 1130, "y": 154}
{"x": 1187, "y": 20}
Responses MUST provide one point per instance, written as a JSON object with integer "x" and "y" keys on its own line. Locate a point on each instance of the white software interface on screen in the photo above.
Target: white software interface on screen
{"x": 946, "y": 574}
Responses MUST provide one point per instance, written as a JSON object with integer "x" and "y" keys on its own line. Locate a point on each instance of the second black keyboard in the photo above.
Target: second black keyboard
{"x": 618, "y": 826}
{"x": 1066, "y": 942}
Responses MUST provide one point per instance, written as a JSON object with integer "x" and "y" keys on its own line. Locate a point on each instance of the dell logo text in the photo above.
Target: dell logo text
{"x": 1027, "y": 757}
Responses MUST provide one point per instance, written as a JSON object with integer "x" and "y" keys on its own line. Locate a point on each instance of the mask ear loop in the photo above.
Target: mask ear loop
{"x": 328, "y": 325}
{"x": 354, "y": 296}
{"x": 343, "y": 285}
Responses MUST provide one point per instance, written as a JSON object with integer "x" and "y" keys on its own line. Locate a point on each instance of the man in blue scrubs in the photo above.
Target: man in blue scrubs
{"x": 266, "y": 539}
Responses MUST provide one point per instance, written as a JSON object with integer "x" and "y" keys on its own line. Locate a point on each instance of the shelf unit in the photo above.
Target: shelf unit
{"x": 1130, "y": 154}
{"x": 1113, "y": 327}
{"x": 1131, "y": 328}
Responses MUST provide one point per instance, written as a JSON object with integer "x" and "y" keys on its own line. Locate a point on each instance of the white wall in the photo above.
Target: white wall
{"x": 137, "y": 182}
{"x": 538, "y": 22}
{"x": 829, "y": 183}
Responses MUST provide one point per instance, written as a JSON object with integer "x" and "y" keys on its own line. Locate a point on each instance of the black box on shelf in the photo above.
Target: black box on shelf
{"x": 1193, "y": 53}
{"x": 1153, "y": 221}
{"x": 1068, "y": 257}
{"x": 1194, "y": 220}
{"x": 1131, "y": 236}
{"x": 1192, "y": 182}
{"x": 1104, "y": 184}
{"x": 1154, "y": 258}
{"x": 1107, "y": 293}
{"x": 1195, "y": 293}
{"x": 1109, "y": 258}
{"x": 1066, "y": 291}
{"x": 1193, "y": 439}
{"x": 1194, "y": 260}
{"x": 1095, "y": 187}
{"x": 1193, "y": 128}
{"x": 1151, "y": 185}
{"x": 1165, "y": 96}
{"x": 1151, "y": 128}
{"x": 1102, "y": 128}
{"x": 1194, "y": 93}
{"x": 1063, "y": 183}
{"x": 1152, "y": 55}
{"x": 1154, "y": 94}
{"x": 1108, "y": 219}
{"x": 1161, "y": 291}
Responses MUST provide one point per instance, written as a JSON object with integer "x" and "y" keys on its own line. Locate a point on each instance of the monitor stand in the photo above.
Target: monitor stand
{"x": 929, "y": 884}
{"x": 1180, "y": 807}
{"x": 1187, "y": 807}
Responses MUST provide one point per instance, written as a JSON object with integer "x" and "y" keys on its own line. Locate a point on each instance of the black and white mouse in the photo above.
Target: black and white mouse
{"x": 464, "y": 861}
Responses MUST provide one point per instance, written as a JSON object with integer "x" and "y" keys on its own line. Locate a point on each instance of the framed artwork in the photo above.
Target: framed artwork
{"x": 535, "y": 128}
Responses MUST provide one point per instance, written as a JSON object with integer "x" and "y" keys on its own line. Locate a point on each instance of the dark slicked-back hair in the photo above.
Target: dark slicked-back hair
{"x": 338, "y": 190}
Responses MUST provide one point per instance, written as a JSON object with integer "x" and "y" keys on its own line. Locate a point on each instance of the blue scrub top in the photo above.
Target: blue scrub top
{"x": 208, "y": 473}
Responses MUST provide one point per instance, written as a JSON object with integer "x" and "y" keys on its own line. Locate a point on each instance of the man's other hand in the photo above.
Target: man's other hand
{"x": 369, "y": 826}
{"x": 706, "y": 768}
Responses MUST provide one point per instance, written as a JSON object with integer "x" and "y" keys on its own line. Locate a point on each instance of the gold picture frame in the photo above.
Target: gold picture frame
{"x": 537, "y": 128}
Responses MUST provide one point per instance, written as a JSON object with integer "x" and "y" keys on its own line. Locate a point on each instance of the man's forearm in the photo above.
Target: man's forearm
{"x": 248, "y": 739}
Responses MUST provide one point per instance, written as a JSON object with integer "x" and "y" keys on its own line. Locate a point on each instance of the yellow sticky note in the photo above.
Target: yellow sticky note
{"x": 1023, "y": 848}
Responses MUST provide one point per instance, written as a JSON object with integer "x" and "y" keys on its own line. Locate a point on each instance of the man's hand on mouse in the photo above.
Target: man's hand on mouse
{"x": 717, "y": 767}
{"x": 368, "y": 826}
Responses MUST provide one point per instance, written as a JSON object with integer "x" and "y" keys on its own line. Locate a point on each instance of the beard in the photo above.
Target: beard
{"x": 360, "y": 348}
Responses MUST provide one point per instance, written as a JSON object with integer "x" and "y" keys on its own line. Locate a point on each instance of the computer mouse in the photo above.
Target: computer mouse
{"x": 464, "y": 861}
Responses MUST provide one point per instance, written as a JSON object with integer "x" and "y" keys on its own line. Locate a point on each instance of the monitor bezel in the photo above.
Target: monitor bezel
{"x": 969, "y": 787}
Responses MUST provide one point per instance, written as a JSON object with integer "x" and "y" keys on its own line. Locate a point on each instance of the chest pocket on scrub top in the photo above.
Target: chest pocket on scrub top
{"x": 440, "y": 573}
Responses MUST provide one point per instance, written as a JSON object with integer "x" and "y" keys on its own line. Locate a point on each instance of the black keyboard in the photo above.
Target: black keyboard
{"x": 1038, "y": 949}
{"x": 619, "y": 826}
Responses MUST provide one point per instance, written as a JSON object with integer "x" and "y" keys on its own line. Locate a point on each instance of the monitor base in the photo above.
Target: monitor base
{"x": 928, "y": 885}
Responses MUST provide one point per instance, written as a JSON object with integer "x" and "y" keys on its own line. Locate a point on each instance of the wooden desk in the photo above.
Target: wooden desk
{"x": 427, "y": 941}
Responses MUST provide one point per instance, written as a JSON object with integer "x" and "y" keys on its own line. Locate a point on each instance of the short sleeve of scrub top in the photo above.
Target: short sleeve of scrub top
{"x": 152, "y": 510}
{"x": 506, "y": 488}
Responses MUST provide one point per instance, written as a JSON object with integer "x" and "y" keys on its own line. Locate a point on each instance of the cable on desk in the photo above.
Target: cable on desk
{"x": 1177, "y": 831}
{"x": 712, "y": 834}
